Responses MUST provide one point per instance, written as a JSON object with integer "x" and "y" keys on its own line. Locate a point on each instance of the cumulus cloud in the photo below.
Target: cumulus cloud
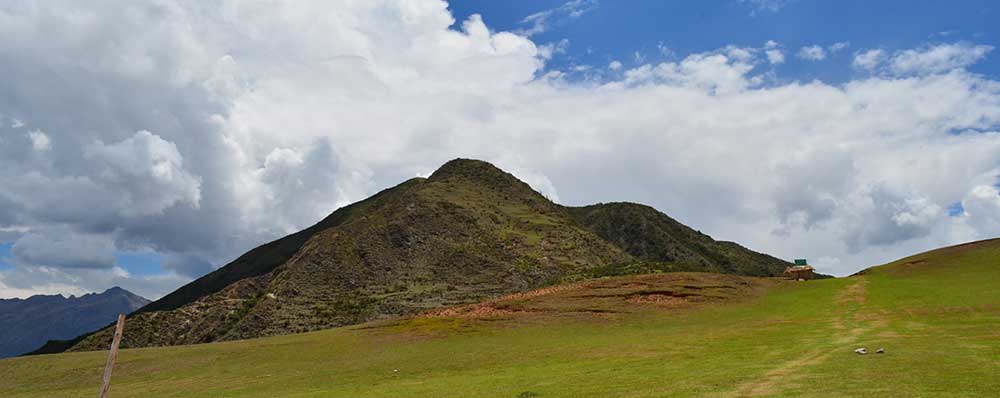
{"x": 39, "y": 141}
{"x": 221, "y": 127}
{"x": 869, "y": 60}
{"x": 146, "y": 170}
{"x": 719, "y": 72}
{"x": 925, "y": 60}
{"x": 836, "y": 47}
{"x": 615, "y": 65}
{"x": 812, "y": 53}
{"x": 774, "y": 55}
{"x": 939, "y": 58}
{"x": 982, "y": 208}
{"x": 884, "y": 217}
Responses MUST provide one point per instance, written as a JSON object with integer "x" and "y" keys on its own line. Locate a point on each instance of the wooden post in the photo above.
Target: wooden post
{"x": 111, "y": 356}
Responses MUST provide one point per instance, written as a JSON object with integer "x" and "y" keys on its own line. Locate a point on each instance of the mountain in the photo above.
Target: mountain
{"x": 468, "y": 232}
{"x": 650, "y": 235}
{"x": 26, "y": 324}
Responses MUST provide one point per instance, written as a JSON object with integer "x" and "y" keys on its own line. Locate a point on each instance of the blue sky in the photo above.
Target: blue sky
{"x": 617, "y": 30}
{"x": 140, "y": 263}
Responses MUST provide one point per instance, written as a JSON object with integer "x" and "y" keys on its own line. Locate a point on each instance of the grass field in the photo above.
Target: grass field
{"x": 670, "y": 335}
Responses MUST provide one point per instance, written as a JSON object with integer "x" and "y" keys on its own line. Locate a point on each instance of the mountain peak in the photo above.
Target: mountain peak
{"x": 483, "y": 174}
{"x": 468, "y": 168}
{"x": 28, "y": 324}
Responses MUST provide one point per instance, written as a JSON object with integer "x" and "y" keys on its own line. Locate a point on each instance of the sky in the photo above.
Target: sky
{"x": 144, "y": 144}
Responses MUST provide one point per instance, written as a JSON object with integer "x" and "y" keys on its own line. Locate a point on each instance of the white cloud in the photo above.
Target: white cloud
{"x": 937, "y": 59}
{"x": 869, "y": 60}
{"x": 812, "y": 53}
{"x": 615, "y": 65}
{"x": 836, "y": 47}
{"x": 925, "y": 60}
{"x": 544, "y": 20}
{"x": 774, "y": 55}
{"x": 63, "y": 248}
{"x": 721, "y": 72}
{"x": 39, "y": 141}
{"x": 884, "y": 216}
{"x": 146, "y": 170}
{"x": 548, "y": 50}
{"x": 982, "y": 208}
{"x": 250, "y": 126}
{"x": 739, "y": 54}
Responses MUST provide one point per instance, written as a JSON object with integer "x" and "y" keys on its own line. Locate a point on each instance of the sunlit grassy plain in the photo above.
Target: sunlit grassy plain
{"x": 936, "y": 314}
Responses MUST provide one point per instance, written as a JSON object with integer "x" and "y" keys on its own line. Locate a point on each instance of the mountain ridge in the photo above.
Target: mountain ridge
{"x": 651, "y": 235}
{"x": 30, "y": 322}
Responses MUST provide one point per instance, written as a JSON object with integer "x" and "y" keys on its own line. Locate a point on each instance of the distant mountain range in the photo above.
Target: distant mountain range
{"x": 26, "y": 324}
{"x": 468, "y": 232}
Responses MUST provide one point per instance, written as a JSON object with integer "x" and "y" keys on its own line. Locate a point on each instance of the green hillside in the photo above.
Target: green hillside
{"x": 675, "y": 334}
{"x": 468, "y": 232}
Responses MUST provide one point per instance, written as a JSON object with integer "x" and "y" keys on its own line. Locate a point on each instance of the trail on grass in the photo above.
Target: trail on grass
{"x": 847, "y": 326}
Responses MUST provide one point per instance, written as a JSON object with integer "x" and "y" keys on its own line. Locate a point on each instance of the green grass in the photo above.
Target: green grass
{"x": 938, "y": 320}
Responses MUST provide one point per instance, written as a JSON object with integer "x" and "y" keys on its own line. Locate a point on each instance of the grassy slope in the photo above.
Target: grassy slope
{"x": 936, "y": 314}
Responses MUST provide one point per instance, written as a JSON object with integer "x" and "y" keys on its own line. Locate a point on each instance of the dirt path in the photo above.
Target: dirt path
{"x": 847, "y": 326}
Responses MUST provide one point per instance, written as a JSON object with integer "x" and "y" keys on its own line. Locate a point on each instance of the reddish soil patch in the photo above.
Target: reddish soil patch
{"x": 545, "y": 291}
{"x": 658, "y": 299}
{"x": 473, "y": 311}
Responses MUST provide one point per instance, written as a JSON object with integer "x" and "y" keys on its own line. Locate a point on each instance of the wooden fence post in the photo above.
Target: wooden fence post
{"x": 111, "y": 356}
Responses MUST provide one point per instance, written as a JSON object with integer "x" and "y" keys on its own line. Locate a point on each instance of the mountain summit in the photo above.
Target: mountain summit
{"x": 468, "y": 232}
{"x": 479, "y": 172}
